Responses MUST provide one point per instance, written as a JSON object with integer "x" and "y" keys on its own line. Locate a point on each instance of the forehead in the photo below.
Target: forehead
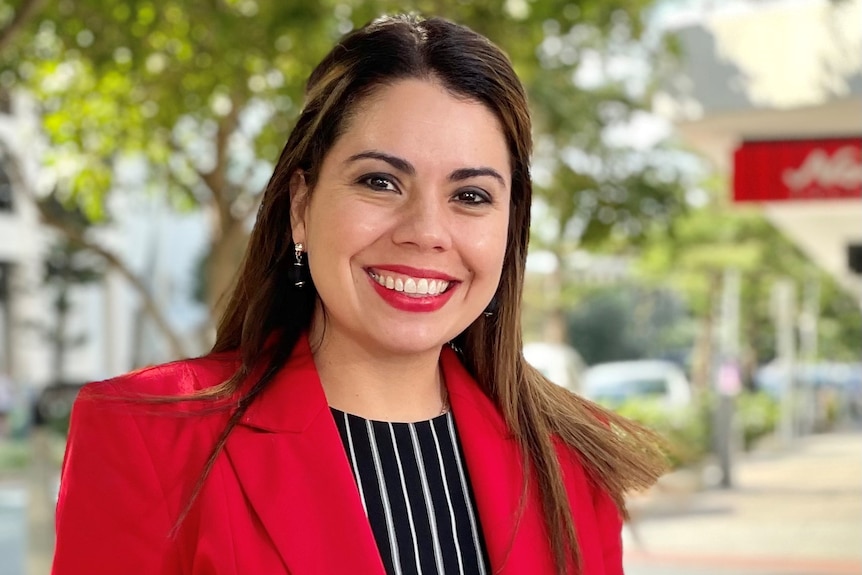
{"x": 421, "y": 121}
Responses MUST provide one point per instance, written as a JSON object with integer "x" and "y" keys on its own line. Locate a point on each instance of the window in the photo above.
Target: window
{"x": 5, "y": 191}
{"x": 5, "y": 327}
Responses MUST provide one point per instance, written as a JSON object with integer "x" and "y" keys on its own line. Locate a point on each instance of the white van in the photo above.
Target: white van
{"x": 560, "y": 363}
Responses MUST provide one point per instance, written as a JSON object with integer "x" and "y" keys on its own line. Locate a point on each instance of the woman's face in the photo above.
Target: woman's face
{"x": 406, "y": 227}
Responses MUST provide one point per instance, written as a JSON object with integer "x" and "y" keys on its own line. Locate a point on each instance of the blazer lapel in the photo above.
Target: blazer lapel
{"x": 289, "y": 459}
{"x": 515, "y": 545}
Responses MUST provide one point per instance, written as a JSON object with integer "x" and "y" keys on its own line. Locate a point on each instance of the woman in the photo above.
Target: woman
{"x": 366, "y": 407}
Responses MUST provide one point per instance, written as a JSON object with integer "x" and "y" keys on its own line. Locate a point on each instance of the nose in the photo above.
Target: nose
{"x": 424, "y": 222}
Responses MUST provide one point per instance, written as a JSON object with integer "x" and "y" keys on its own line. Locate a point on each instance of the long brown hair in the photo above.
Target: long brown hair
{"x": 266, "y": 314}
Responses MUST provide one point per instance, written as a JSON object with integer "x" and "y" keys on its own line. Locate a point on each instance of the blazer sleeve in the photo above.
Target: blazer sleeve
{"x": 111, "y": 513}
{"x": 610, "y": 524}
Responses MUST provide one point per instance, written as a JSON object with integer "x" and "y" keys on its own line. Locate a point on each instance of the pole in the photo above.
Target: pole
{"x": 784, "y": 296}
{"x": 808, "y": 354}
{"x": 727, "y": 378}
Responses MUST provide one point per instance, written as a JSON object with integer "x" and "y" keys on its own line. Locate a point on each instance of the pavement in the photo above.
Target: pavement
{"x": 27, "y": 512}
{"x": 793, "y": 509}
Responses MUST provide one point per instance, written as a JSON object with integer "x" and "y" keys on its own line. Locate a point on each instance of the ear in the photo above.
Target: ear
{"x": 298, "y": 206}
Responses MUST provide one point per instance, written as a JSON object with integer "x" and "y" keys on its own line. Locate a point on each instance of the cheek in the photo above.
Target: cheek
{"x": 486, "y": 247}
{"x": 336, "y": 236}
{"x": 344, "y": 228}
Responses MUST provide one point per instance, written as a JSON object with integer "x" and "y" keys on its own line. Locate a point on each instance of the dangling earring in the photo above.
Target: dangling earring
{"x": 297, "y": 272}
{"x": 493, "y": 307}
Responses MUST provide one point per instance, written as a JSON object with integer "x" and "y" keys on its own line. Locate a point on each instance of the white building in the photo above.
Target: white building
{"x": 771, "y": 93}
{"x": 22, "y": 245}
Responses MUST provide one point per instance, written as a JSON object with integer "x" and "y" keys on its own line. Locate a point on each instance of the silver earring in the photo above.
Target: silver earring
{"x": 298, "y": 270}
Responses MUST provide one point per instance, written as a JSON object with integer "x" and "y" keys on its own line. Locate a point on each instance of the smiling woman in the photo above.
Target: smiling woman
{"x": 366, "y": 407}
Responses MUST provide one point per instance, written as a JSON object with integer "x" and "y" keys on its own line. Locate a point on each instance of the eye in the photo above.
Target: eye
{"x": 472, "y": 197}
{"x": 379, "y": 182}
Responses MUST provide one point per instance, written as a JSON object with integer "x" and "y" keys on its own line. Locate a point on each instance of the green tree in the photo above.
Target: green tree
{"x": 206, "y": 91}
{"x": 630, "y": 321}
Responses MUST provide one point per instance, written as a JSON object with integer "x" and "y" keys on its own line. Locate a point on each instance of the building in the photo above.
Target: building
{"x": 106, "y": 316}
{"x": 771, "y": 94}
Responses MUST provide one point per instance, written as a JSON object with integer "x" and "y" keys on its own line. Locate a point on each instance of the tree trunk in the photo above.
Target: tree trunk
{"x": 225, "y": 257}
{"x": 701, "y": 370}
{"x": 229, "y": 236}
{"x": 555, "y": 319}
{"x": 26, "y": 11}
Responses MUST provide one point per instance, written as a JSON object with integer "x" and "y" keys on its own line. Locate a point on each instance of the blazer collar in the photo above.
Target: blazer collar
{"x": 294, "y": 471}
{"x": 293, "y": 400}
{"x": 288, "y": 457}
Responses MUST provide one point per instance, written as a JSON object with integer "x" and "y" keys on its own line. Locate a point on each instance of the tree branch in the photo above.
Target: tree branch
{"x": 25, "y": 12}
{"x": 77, "y": 236}
{"x": 216, "y": 179}
{"x": 243, "y": 213}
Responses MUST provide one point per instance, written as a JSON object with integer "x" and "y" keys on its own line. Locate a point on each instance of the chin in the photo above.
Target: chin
{"x": 411, "y": 346}
{"x": 410, "y": 340}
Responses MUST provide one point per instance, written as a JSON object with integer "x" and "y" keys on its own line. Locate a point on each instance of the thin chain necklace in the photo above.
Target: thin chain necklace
{"x": 445, "y": 408}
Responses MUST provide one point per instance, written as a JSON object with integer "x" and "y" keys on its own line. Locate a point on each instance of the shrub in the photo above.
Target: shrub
{"x": 14, "y": 455}
{"x": 686, "y": 429}
{"x": 757, "y": 414}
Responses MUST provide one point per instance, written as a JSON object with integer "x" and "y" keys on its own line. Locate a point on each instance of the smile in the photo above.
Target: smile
{"x": 411, "y": 286}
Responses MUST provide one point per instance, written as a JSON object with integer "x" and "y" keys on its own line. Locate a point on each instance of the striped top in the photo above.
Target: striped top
{"x": 416, "y": 493}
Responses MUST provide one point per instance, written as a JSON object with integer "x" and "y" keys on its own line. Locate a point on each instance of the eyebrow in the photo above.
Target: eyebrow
{"x": 467, "y": 173}
{"x": 394, "y": 161}
{"x": 403, "y": 165}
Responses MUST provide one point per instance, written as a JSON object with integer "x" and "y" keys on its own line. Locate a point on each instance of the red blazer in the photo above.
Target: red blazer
{"x": 281, "y": 499}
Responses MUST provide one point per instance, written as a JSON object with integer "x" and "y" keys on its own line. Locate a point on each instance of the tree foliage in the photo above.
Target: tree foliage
{"x": 631, "y": 321}
{"x": 717, "y": 237}
{"x": 206, "y": 91}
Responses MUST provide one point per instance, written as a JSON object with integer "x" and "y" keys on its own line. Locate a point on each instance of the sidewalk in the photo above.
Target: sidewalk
{"x": 793, "y": 511}
{"x": 27, "y": 511}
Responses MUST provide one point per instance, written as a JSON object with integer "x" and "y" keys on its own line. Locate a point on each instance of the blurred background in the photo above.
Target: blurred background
{"x": 695, "y": 257}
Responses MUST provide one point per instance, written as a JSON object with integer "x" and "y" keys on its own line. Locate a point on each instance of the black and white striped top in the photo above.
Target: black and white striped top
{"x": 416, "y": 493}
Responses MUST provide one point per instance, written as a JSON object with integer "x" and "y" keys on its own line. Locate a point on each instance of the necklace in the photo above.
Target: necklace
{"x": 445, "y": 407}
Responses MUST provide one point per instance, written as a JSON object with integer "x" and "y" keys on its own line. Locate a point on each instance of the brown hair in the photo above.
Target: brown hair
{"x": 266, "y": 314}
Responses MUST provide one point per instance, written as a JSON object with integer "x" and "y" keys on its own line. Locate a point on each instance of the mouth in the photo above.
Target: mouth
{"x": 411, "y": 286}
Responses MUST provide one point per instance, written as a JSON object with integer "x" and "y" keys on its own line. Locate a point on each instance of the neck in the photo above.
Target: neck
{"x": 379, "y": 386}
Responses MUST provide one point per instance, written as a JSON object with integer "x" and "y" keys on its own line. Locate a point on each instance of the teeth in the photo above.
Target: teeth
{"x": 421, "y": 286}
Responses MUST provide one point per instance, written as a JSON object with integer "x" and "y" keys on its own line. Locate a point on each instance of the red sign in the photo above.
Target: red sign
{"x": 798, "y": 170}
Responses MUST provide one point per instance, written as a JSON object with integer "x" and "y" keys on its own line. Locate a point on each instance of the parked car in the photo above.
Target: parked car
{"x": 827, "y": 392}
{"x": 560, "y": 363}
{"x": 615, "y": 383}
{"x": 53, "y": 405}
